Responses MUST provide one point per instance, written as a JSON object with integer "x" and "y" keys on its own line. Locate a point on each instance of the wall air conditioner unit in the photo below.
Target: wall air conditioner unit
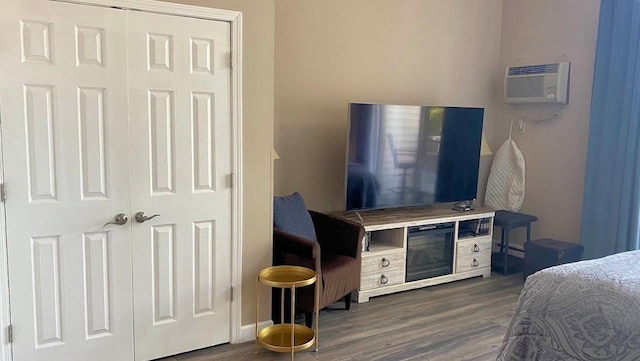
{"x": 544, "y": 83}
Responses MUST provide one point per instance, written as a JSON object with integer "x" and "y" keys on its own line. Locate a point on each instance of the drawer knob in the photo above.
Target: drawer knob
{"x": 476, "y": 249}
{"x": 384, "y": 280}
{"x": 385, "y": 262}
{"x": 475, "y": 263}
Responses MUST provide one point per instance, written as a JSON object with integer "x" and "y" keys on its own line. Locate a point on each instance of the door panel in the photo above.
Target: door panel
{"x": 39, "y": 120}
{"x": 45, "y": 261}
{"x": 180, "y": 124}
{"x": 93, "y": 163}
{"x": 64, "y": 121}
{"x": 97, "y": 286}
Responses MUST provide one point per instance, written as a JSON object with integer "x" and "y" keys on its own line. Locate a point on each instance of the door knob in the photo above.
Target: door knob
{"x": 120, "y": 219}
{"x": 141, "y": 218}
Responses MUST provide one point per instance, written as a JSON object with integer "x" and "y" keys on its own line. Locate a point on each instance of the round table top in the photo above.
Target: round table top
{"x": 287, "y": 276}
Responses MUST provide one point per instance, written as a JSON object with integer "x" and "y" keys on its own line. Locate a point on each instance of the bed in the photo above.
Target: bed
{"x": 587, "y": 310}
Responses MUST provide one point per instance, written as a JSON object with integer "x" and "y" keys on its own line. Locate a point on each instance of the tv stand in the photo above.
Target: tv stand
{"x": 386, "y": 251}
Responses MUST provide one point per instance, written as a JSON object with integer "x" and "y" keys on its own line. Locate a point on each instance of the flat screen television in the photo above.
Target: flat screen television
{"x": 400, "y": 155}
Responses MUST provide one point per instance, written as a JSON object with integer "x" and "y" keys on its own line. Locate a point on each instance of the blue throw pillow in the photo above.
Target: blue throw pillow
{"x": 291, "y": 215}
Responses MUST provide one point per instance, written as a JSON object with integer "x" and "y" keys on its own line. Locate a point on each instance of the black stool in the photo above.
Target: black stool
{"x": 545, "y": 253}
{"x": 508, "y": 221}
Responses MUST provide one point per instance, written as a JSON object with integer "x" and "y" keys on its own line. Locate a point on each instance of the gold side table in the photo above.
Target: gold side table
{"x": 287, "y": 337}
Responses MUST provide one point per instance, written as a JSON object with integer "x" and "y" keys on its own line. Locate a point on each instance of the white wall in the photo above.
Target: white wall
{"x": 545, "y": 31}
{"x": 331, "y": 52}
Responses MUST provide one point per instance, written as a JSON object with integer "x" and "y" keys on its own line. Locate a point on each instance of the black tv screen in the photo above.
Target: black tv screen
{"x": 400, "y": 155}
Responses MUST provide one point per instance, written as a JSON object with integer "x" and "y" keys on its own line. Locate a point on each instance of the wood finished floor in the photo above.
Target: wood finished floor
{"x": 463, "y": 320}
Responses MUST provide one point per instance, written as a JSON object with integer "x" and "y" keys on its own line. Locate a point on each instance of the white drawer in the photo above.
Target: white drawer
{"x": 470, "y": 247}
{"x": 382, "y": 278}
{"x": 473, "y": 262}
{"x": 473, "y": 254}
{"x": 382, "y": 261}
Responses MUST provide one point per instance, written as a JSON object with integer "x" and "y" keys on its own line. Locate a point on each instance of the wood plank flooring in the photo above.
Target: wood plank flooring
{"x": 463, "y": 320}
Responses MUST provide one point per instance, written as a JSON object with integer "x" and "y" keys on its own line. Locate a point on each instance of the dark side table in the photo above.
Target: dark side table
{"x": 508, "y": 221}
{"x": 544, "y": 253}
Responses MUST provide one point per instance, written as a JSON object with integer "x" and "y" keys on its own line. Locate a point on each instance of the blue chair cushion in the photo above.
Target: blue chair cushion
{"x": 290, "y": 215}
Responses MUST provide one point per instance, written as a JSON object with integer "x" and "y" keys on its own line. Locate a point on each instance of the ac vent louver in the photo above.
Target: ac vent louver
{"x": 542, "y": 83}
{"x": 534, "y": 69}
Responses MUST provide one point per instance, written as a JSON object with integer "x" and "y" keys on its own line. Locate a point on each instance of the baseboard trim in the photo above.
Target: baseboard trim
{"x": 248, "y": 332}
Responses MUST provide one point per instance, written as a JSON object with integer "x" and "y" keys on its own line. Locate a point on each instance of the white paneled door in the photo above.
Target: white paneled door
{"x": 179, "y": 105}
{"x": 108, "y": 112}
{"x": 65, "y": 136}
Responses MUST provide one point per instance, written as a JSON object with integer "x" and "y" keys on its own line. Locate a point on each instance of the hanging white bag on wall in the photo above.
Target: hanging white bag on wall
{"x": 506, "y": 183}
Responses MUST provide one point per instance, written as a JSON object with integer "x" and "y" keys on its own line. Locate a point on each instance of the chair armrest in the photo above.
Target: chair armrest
{"x": 293, "y": 250}
{"x": 337, "y": 235}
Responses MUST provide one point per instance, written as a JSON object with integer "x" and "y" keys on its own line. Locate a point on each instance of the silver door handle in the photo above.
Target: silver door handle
{"x": 120, "y": 219}
{"x": 141, "y": 218}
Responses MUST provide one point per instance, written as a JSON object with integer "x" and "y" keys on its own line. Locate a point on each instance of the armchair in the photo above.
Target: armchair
{"x": 335, "y": 257}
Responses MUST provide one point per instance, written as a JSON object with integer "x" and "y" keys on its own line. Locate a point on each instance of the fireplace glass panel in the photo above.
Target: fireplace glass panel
{"x": 429, "y": 251}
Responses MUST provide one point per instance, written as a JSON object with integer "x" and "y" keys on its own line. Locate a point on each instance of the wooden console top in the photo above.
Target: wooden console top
{"x": 377, "y": 217}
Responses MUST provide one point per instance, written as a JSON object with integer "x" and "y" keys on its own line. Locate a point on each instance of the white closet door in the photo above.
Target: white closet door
{"x": 179, "y": 76}
{"x": 65, "y": 138}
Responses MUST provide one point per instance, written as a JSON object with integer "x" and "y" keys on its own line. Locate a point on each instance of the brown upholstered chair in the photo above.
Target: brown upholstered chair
{"x": 335, "y": 257}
